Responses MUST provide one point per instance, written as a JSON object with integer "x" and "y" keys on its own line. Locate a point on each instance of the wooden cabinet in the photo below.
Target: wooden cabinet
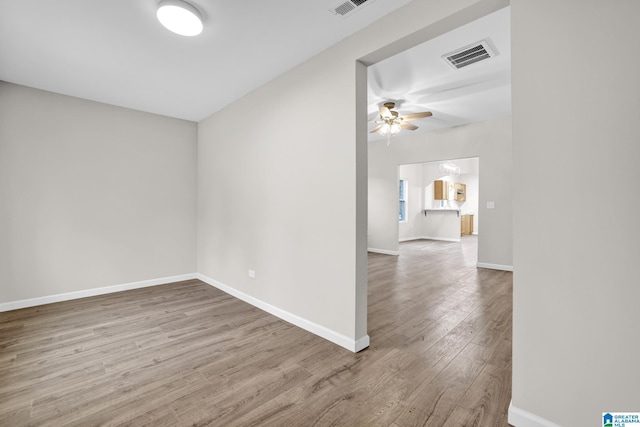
{"x": 460, "y": 192}
{"x": 466, "y": 224}
{"x": 440, "y": 190}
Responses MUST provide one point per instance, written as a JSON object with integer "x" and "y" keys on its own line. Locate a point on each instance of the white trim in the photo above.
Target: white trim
{"x": 383, "y": 251}
{"x": 442, "y": 239}
{"x": 32, "y": 302}
{"x": 520, "y": 418}
{"x": 361, "y": 344}
{"x": 326, "y": 333}
{"x": 407, "y": 239}
{"x": 494, "y": 266}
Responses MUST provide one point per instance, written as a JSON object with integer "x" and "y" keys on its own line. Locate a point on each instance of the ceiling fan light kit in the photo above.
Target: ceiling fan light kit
{"x": 392, "y": 129}
{"x": 391, "y": 122}
{"x": 180, "y": 17}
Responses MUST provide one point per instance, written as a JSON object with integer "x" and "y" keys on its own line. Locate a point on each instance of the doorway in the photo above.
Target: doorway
{"x": 485, "y": 137}
{"x": 439, "y": 200}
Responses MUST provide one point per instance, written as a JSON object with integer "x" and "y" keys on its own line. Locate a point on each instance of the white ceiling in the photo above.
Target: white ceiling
{"x": 116, "y": 52}
{"x": 420, "y": 80}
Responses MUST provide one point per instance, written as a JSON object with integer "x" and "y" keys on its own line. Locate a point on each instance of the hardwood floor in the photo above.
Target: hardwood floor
{"x": 186, "y": 354}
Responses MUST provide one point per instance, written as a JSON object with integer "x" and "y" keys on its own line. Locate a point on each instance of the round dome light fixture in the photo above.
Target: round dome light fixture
{"x": 180, "y": 17}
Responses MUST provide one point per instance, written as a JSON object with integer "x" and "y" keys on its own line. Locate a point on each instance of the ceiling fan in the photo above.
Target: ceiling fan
{"x": 390, "y": 122}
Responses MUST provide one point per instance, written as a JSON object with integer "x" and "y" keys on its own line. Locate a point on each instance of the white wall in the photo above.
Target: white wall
{"x": 91, "y": 195}
{"x": 490, "y": 141}
{"x": 576, "y": 286}
{"x": 442, "y": 225}
{"x": 431, "y": 173}
{"x": 412, "y": 228}
{"x": 286, "y": 195}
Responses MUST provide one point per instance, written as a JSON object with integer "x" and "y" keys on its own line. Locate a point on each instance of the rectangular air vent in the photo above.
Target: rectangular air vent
{"x": 343, "y": 8}
{"x": 468, "y": 55}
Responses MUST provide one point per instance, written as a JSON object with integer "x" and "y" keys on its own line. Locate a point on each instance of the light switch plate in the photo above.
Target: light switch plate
{"x": 491, "y": 205}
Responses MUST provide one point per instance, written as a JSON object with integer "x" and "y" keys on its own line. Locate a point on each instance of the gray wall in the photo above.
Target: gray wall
{"x": 490, "y": 141}
{"x": 576, "y": 139}
{"x": 279, "y": 196}
{"x": 91, "y": 195}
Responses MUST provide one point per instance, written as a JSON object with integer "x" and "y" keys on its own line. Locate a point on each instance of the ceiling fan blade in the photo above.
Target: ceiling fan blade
{"x": 415, "y": 116}
{"x": 408, "y": 126}
{"x": 384, "y": 112}
{"x": 375, "y": 129}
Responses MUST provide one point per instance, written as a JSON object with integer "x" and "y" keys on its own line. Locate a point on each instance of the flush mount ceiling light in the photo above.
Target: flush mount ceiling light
{"x": 180, "y": 17}
{"x": 449, "y": 169}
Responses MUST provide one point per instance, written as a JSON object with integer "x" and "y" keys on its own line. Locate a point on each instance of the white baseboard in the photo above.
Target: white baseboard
{"x": 32, "y": 302}
{"x": 442, "y": 239}
{"x": 494, "y": 266}
{"x": 521, "y": 418}
{"x": 326, "y": 333}
{"x": 383, "y": 251}
{"x": 407, "y": 239}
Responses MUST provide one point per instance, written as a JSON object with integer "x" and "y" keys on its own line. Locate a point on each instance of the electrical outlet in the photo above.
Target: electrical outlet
{"x": 491, "y": 205}
{"x": 252, "y": 274}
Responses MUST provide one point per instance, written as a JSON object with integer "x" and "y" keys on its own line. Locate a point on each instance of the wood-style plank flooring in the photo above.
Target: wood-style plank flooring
{"x": 186, "y": 354}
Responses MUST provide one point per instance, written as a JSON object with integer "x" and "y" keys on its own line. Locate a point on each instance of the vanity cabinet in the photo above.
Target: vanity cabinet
{"x": 466, "y": 226}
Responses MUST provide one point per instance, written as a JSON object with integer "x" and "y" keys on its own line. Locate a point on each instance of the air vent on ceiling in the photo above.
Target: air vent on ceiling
{"x": 343, "y": 8}
{"x": 468, "y": 55}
